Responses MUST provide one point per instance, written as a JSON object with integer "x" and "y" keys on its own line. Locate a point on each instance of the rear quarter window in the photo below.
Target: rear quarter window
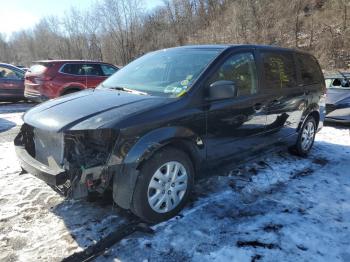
{"x": 108, "y": 70}
{"x": 309, "y": 69}
{"x": 279, "y": 70}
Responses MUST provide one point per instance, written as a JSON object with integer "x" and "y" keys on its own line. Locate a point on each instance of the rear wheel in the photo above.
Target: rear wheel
{"x": 163, "y": 186}
{"x": 306, "y": 137}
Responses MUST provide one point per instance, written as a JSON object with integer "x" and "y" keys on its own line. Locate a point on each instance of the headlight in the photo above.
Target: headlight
{"x": 89, "y": 148}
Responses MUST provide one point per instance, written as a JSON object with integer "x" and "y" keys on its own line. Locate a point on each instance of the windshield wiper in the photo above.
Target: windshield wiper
{"x": 128, "y": 90}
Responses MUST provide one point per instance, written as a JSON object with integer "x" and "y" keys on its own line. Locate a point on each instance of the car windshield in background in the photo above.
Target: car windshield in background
{"x": 162, "y": 73}
{"x": 338, "y": 80}
{"x": 337, "y": 83}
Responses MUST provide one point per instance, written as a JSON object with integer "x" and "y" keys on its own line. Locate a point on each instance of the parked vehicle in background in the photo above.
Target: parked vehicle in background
{"x": 11, "y": 83}
{"x": 338, "y": 98}
{"x": 25, "y": 69}
{"x": 156, "y": 125}
{"x": 53, "y": 78}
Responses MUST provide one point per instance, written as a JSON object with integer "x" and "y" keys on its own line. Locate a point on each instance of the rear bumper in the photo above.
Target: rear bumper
{"x": 35, "y": 96}
{"x": 31, "y": 165}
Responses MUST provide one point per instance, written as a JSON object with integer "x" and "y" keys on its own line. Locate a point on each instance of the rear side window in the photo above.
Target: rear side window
{"x": 82, "y": 69}
{"x": 93, "y": 70}
{"x": 309, "y": 69}
{"x": 73, "y": 69}
{"x": 279, "y": 70}
{"x": 108, "y": 70}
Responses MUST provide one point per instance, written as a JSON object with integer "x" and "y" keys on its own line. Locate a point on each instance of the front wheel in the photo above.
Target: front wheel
{"x": 306, "y": 137}
{"x": 164, "y": 185}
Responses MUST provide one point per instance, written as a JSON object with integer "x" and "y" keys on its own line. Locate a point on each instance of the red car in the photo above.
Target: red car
{"x": 53, "y": 78}
{"x": 11, "y": 83}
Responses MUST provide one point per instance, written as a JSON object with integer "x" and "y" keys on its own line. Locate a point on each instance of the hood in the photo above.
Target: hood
{"x": 336, "y": 95}
{"x": 89, "y": 109}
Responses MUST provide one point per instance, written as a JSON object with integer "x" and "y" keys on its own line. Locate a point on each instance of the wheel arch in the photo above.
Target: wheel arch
{"x": 181, "y": 138}
{"x": 74, "y": 88}
{"x": 312, "y": 110}
{"x": 316, "y": 115}
{"x": 187, "y": 147}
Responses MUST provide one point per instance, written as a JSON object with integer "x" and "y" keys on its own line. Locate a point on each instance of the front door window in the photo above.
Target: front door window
{"x": 241, "y": 69}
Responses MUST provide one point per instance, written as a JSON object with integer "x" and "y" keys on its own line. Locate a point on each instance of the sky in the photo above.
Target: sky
{"x": 23, "y": 14}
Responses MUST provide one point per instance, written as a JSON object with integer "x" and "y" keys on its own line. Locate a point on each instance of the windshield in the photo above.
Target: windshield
{"x": 162, "y": 73}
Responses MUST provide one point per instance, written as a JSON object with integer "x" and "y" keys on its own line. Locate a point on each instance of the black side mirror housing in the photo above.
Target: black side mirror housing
{"x": 222, "y": 89}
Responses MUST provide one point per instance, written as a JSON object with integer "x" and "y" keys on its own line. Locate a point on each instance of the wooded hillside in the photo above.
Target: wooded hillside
{"x": 117, "y": 31}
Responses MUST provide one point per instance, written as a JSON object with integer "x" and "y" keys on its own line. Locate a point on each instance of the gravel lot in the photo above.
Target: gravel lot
{"x": 277, "y": 208}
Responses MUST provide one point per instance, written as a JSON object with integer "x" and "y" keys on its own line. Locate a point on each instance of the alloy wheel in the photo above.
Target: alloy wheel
{"x": 167, "y": 187}
{"x": 307, "y": 135}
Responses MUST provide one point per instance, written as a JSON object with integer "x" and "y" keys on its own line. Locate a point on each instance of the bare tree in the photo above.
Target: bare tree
{"x": 118, "y": 31}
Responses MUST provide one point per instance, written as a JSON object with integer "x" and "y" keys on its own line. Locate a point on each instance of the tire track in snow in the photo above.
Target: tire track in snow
{"x": 50, "y": 234}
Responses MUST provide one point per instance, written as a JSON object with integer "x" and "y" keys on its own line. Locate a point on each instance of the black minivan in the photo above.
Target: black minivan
{"x": 153, "y": 128}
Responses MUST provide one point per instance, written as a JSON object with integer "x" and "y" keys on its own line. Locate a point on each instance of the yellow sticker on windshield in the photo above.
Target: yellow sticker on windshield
{"x": 184, "y": 82}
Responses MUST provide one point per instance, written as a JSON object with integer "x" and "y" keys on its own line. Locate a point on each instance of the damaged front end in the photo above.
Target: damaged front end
{"x": 72, "y": 162}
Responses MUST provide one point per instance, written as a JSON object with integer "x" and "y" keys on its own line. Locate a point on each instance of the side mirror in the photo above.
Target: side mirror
{"x": 222, "y": 89}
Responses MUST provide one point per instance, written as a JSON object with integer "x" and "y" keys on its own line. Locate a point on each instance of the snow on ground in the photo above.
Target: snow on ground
{"x": 277, "y": 208}
{"x": 10, "y": 115}
{"x": 293, "y": 210}
{"x": 35, "y": 222}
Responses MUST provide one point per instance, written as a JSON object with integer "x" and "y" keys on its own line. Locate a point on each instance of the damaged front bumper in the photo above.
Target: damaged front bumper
{"x": 73, "y": 162}
{"x": 51, "y": 176}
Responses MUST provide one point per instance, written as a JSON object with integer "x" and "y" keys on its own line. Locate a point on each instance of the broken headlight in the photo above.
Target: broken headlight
{"x": 88, "y": 148}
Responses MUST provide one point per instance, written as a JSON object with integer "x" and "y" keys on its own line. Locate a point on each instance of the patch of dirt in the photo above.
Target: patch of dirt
{"x": 17, "y": 243}
{"x": 257, "y": 257}
{"x": 273, "y": 227}
{"x": 301, "y": 247}
{"x": 320, "y": 161}
{"x": 305, "y": 172}
{"x": 256, "y": 243}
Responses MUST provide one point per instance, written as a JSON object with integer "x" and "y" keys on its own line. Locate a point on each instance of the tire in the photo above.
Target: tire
{"x": 307, "y": 132}
{"x": 167, "y": 196}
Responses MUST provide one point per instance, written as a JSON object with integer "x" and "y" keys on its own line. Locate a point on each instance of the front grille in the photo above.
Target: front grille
{"x": 330, "y": 108}
{"x": 27, "y": 139}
